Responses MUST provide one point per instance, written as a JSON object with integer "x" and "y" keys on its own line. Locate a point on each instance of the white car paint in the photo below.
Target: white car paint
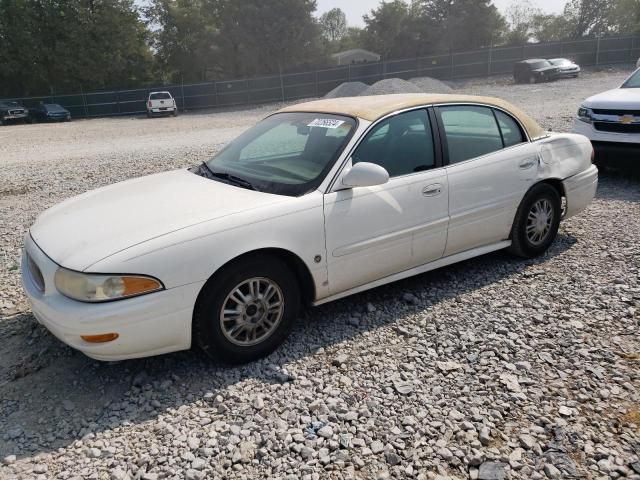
{"x": 163, "y": 105}
{"x": 181, "y": 228}
{"x": 619, "y": 103}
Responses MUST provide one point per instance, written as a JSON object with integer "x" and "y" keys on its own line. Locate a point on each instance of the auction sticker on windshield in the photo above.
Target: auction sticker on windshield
{"x": 326, "y": 123}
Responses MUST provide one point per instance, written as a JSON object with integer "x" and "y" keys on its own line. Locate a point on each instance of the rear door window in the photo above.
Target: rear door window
{"x": 471, "y": 132}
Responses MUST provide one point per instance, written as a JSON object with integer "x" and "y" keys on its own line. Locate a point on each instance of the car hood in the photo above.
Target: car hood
{"x": 619, "y": 98}
{"x": 80, "y": 231}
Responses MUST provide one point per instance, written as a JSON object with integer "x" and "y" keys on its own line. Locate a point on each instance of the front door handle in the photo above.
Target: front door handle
{"x": 432, "y": 190}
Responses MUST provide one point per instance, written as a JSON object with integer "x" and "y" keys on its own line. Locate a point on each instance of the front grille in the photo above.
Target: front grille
{"x": 16, "y": 112}
{"x": 619, "y": 113}
{"x": 617, "y": 127}
{"x": 35, "y": 273}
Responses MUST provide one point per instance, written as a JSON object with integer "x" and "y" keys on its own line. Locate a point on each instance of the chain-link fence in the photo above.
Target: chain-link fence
{"x": 293, "y": 86}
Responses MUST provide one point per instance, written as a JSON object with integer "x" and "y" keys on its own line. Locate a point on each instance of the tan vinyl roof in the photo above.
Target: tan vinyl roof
{"x": 374, "y": 107}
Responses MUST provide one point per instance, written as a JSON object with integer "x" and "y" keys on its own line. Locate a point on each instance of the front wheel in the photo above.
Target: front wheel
{"x": 537, "y": 221}
{"x": 247, "y": 309}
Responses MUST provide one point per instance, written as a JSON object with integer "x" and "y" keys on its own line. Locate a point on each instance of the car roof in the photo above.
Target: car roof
{"x": 372, "y": 108}
{"x": 160, "y": 91}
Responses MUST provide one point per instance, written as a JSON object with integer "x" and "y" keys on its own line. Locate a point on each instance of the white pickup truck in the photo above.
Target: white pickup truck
{"x": 160, "y": 103}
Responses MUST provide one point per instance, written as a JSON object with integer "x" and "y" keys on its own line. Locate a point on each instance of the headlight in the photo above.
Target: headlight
{"x": 89, "y": 287}
{"x": 585, "y": 114}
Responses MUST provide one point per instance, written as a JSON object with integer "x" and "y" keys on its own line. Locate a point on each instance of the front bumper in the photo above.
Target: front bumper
{"x": 15, "y": 117}
{"x": 589, "y": 131}
{"x": 580, "y": 190}
{"x": 147, "y": 325}
{"x": 568, "y": 73}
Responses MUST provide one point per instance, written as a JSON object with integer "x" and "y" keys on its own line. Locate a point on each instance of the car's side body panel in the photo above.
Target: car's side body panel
{"x": 378, "y": 231}
{"x": 484, "y": 194}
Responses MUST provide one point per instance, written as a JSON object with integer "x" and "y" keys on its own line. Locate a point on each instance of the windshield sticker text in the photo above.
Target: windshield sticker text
{"x": 326, "y": 123}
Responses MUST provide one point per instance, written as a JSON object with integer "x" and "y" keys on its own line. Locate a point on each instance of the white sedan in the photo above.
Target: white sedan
{"x": 316, "y": 202}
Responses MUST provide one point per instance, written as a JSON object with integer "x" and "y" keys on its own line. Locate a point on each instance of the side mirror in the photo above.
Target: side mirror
{"x": 365, "y": 174}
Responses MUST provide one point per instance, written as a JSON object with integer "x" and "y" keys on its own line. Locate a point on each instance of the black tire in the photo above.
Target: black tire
{"x": 532, "y": 79}
{"x": 149, "y": 114}
{"x": 207, "y": 329}
{"x": 521, "y": 244}
{"x": 175, "y": 112}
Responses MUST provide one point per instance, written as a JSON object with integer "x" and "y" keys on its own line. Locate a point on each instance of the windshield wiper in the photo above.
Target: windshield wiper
{"x": 241, "y": 182}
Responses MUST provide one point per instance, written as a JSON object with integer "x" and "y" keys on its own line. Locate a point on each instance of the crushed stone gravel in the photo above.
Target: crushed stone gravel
{"x": 493, "y": 368}
{"x": 347, "y": 89}
{"x": 389, "y": 86}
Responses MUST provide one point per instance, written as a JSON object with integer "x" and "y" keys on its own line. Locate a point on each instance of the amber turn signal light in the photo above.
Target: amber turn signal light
{"x": 102, "y": 338}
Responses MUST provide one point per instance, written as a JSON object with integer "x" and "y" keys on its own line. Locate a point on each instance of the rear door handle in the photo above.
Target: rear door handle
{"x": 432, "y": 190}
{"x": 527, "y": 164}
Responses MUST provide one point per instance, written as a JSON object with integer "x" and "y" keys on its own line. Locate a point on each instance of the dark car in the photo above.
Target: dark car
{"x": 12, "y": 112}
{"x": 535, "y": 70}
{"x": 49, "y": 112}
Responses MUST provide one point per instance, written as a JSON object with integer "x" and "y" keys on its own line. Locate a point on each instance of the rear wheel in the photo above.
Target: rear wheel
{"x": 537, "y": 221}
{"x": 247, "y": 309}
{"x": 532, "y": 79}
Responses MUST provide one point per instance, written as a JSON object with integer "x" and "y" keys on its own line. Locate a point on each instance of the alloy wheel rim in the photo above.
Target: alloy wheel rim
{"x": 539, "y": 221}
{"x": 252, "y": 311}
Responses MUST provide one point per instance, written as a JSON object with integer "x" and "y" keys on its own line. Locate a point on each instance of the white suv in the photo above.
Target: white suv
{"x": 161, "y": 103}
{"x": 612, "y": 119}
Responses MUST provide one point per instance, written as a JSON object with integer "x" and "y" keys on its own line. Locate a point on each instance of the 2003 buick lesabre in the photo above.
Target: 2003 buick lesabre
{"x": 316, "y": 202}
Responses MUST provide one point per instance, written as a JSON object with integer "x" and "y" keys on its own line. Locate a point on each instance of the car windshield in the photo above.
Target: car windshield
{"x": 560, "y": 62}
{"x": 540, "y": 64}
{"x": 287, "y": 153}
{"x": 633, "y": 81}
{"x": 160, "y": 96}
{"x": 52, "y": 107}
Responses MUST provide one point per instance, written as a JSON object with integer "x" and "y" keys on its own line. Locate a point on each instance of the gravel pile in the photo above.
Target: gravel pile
{"x": 431, "y": 85}
{"x": 347, "y": 89}
{"x": 491, "y": 369}
{"x": 391, "y": 85}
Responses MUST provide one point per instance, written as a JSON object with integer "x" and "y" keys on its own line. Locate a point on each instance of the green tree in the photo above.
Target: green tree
{"x": 588, "y": 17}
{"x": 520, "y": 16}
{"x": 230, "y": 38}
{"x": 550, "y": 28}
{"x": 184, "y": 37}
{"x": 390, "y": 31}
{"x": 51, "y": 46}
{"x": 462, "y": 24}
{"x": 624, "y": 16}
{"x": 334, "y": 24}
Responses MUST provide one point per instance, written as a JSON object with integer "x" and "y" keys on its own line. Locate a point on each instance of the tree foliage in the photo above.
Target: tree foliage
{"x": 334, "y": 24}
{"x": 232, "y": 38}
{"x": 65, "y": 45}
{"x": 49, "y": 46}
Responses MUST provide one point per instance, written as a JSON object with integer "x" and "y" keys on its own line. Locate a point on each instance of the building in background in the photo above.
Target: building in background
{"x": 357, "y": 55}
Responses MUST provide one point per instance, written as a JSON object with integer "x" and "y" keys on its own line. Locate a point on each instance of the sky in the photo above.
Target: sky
{"x": 355, "y": 9}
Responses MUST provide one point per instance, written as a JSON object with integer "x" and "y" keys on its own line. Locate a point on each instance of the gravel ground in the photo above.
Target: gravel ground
{"x": 494, "y": 368}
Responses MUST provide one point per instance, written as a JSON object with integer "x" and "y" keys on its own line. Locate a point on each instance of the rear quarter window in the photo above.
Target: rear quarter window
{"x": 511, "y": 131}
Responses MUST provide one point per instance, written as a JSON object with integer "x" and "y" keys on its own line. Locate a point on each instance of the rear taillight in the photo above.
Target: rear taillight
{"x": 149, "y": 104}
